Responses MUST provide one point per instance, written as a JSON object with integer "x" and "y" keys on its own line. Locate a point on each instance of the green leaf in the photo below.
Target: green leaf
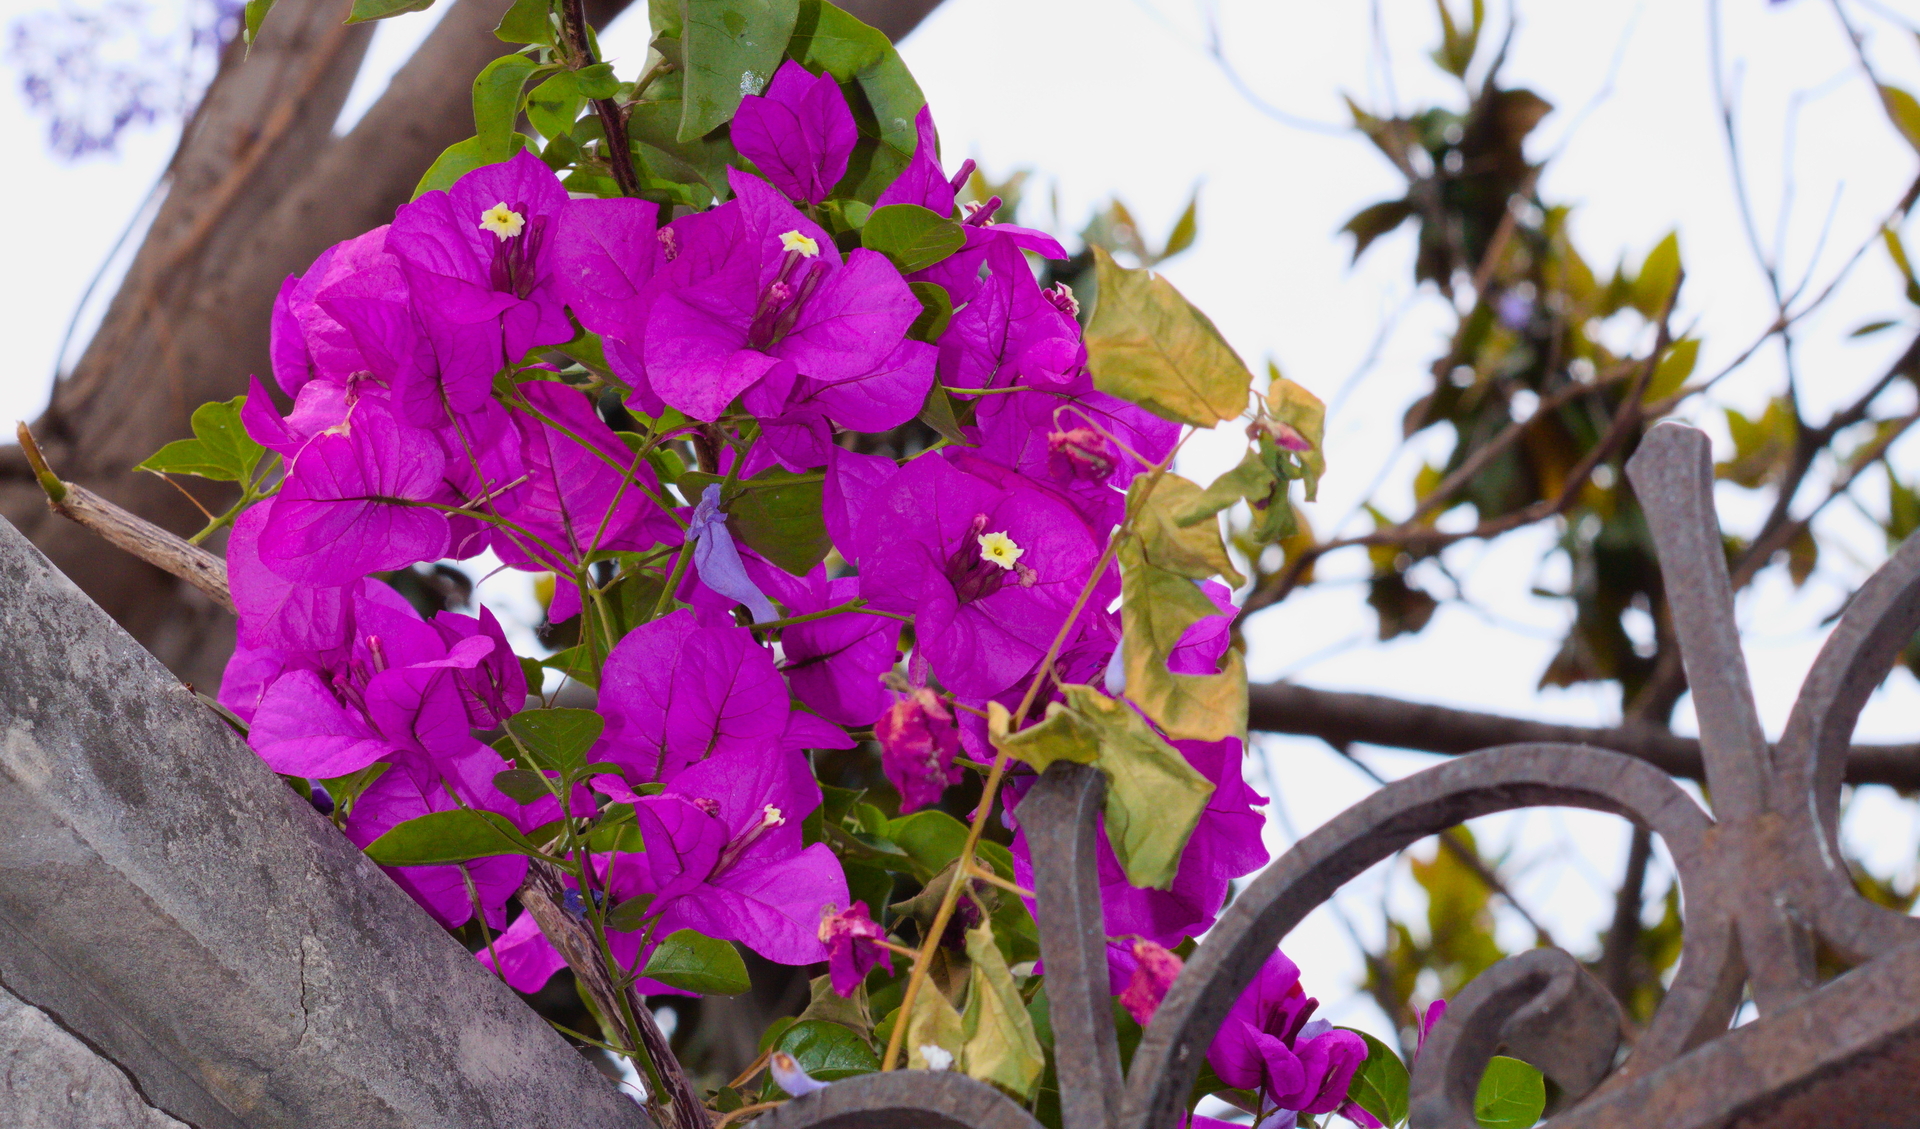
{"x": 523, "y": 785}
{"x": 884, "y": 112}
{"x": 826, "y": 38}
{"x": 577, "y": 663}
{"x": 462, "y": 157}
{"x": 827, "y": 1050}
{"x": 732, "y": 48}
{"x": 554, "y": 105}
{"x": 938, "y": 413}
{"x": 1903, "y": 111}
{"x": 528, "y": 21}
{"x": 1061, "y": 735}
{"x": 443, "y": 837}
{"x": 365, "y": 11}
{"x": 1250, "y": 480}
{"x": 913, "y": 238}
{"x": 1673, "y": 370}
{"x": 654, "y": 128}
{"x": 1001, "y": 1046}
{"x": 1873, "y": 327}
{"x": 695, "y": 962}
{"x": 1512, "y": 1095}
{"x": 220, "y": 450}
{"x": 1659, "y": 274}
{"x": 776, "y": 513}
{"x": 936, "y": 311}
{"x": 256, "y": 15}
{"x": 557, "y": 738}
{"x": 1184, "y": 229}
{"x": 496, "y": 98}
{"x": 598, "y": 81}
{"x": 1374, "y": 221}
{"x": 1380, "y": 1085}
{"x": 1148, "y": 345}
{"x": 931, "y": 838}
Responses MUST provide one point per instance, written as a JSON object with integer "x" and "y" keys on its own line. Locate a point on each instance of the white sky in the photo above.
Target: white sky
{"x": 1118, "y": 96}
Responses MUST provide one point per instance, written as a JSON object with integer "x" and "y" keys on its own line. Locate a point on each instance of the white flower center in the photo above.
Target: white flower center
{"x": 504, "y": 222}
{"x": 998, "y": 548}
{"x": 805, "y": 244}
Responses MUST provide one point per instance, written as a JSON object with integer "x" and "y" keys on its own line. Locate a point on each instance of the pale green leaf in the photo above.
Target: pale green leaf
{"x": 1512, "y": 1095}
{"x": 1001, "y": 1046}
{"x": 365, "y": 11}
{"x": 1380, "y": 1085}
{"x": 220, "y": 448}
{"x": 912, "y": 238}
{"x": 443, "y": 837}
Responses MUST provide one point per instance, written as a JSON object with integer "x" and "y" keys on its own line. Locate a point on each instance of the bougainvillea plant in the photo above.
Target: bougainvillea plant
{"x": 811, "y": 467}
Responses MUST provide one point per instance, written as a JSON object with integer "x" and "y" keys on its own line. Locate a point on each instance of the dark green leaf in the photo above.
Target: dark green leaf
{"x": 828, "y": 1051}
{"x": 523, "y": 785}
{"x": 732, "y": 48}
{"x": 931, "y": 838}
{"x": 365, "y": 11}
{"x": 1380, "y": 1085}
{"x": 828, "y": 39}
{"x": 911, "y": 237}
{"x": 777, "y": 513}
{"x": 936, "y": 310}
{"x": 576, "y": 663}
{"x": 1373, "y": 221}
{"x": 221, "y": 449}
{"x": 1512, "y": 1095}
{"x": 1873, "y": 327}
{"x": 528, "y": 21}
{"x": 533, "y": 672}
{"x": 556, "y": 738}
{"x": 629, "y": 914}
{"x": 443, "y": 837}
{"x": 697, "y": 963}
{"x": 938, "y": 413}
{"x": 554, "y": 105}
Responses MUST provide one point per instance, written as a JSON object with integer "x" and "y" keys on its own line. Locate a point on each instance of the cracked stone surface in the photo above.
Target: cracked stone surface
{"x": 165, "y": 898}
{"x": 51, "y": 1080}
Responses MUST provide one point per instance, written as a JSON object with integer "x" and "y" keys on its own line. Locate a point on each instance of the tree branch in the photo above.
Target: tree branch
{"x": 1371, "y": 719}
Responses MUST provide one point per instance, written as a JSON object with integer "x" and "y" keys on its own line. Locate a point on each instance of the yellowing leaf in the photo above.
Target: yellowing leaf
{"x": 1001, "y": 1046}
{"x": 1170, "y": 538}
{"x": 1157, "y": 607}
{"x": 1061, "y": 735}
{"x": 1154, "y": 797}
{"x": 1659, "y": 274}
{"x": 934, "y": 1039}
{"x": 1673, "y": 370}
{"x": 1904, "y": 112}
{"x": 1147, "y": 344}
{"x": 1301, "y": 410}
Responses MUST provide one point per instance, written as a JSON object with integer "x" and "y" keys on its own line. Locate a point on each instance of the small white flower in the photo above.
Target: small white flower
{"x": 805, "y": 244}
{"x": 938, "y": 1058}
{"x": 998, "y": 548}
{"x": 504, "y": 222}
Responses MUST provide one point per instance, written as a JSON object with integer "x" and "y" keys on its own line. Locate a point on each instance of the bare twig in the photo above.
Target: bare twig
{"x": 135, "y": 534}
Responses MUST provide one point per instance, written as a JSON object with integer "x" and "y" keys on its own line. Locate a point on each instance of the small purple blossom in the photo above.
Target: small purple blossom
{"x": 855, "y": 944}
{"x": 918, "y": 741}
{"x": 799, "y": 134}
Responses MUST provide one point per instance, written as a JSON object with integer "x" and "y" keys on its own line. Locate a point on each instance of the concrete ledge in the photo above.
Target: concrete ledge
{"x": 170, "y": 902}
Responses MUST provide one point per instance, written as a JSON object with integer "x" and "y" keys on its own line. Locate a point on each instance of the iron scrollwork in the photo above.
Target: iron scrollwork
{"x": 1763, "y": 885}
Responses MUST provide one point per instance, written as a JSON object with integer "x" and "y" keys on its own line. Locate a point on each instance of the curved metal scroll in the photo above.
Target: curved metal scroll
{"x": 1761, "y": 880}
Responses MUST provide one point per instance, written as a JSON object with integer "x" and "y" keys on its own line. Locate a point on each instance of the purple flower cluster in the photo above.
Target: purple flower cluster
{"x": 431, "y": 421}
